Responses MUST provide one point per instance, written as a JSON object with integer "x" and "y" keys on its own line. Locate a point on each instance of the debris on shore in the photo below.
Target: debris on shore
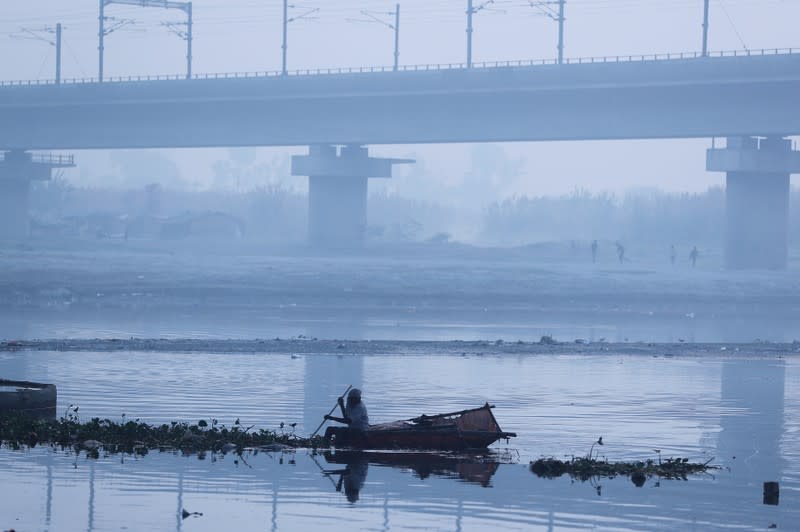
{"x": 135, "y": 437}
{"x": 585, "y": 468}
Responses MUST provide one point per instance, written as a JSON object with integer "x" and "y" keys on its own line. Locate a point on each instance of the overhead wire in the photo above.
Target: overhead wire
{"x": 216, "y": 17}
{"x": 72, "y": 54}
{"x": 428, "y": 7}
{"x": 41, "y": 66}
{"x": 446, "y": 10}
{"x": 735, "y": 30}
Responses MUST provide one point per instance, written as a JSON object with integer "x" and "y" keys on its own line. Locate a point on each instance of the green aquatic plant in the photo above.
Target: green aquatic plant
{"x": 591, "y": 449}
{"x": 137, "y": 437}
{"x": 588, "y": 468}
{"x": 591, "y": 468}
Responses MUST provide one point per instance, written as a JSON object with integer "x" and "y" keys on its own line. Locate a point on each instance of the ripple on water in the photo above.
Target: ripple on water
{"x": 558, "y": 405}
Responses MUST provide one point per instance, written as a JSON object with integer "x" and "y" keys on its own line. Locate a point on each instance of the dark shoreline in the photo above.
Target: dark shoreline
{"x": 403, "y": 347}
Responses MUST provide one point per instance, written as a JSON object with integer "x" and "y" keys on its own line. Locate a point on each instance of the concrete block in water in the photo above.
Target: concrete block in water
{"x": 32, "y": 398}
{"x": 771, "y": 493}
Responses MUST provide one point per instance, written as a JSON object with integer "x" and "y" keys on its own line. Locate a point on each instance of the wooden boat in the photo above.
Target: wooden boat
{"x": 31, "y": 398}
{"x": 467, "y": 429}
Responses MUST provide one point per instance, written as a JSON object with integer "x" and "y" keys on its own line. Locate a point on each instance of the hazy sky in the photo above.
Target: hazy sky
{"x": 245, "y": 35}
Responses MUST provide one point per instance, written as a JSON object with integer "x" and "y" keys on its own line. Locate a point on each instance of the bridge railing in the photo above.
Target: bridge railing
{"x": 53, "y": 159}
{"x": 670, "y": 56}
{"x": 48, "y": 159}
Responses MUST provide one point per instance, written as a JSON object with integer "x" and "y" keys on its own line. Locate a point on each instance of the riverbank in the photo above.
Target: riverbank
{"x": 312, "y": 346}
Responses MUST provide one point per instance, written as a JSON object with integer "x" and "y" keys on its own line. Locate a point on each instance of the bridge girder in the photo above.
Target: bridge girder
{"x": 732, "y": 96}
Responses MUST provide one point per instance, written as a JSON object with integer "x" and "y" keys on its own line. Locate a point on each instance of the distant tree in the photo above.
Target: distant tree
{"x": 137, "y": 168}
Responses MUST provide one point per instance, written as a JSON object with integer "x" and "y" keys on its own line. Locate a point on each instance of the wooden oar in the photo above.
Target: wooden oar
{"x": 326, "y": 473}
{"x": 331, "y": 412}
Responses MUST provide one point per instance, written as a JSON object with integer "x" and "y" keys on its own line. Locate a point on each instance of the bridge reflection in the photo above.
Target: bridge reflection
{"x": 753, "y": 421}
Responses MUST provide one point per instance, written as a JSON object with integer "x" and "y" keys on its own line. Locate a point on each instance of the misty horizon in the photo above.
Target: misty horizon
{"x": 242, "y": 36}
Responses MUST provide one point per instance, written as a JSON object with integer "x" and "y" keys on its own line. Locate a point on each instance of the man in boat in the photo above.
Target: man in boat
{"x": 354, "y": 415}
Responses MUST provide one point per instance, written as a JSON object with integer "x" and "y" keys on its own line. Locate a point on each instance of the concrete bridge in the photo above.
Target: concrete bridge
{"x": 739, "y": 96}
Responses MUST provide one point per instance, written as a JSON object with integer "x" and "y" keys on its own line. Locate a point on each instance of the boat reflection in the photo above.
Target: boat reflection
{"x": 470, "y": 468}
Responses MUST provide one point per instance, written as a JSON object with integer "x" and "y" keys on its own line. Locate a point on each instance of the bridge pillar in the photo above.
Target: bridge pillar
{"x": 17, "y": 169}
{"x": 14, "y": 224}
{"x": 756, "y": 199}
{"x": 337, "y": 191}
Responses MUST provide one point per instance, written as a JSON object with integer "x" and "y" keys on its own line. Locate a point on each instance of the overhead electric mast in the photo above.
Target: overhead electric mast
{"x": 546, "y": 9}
{"x": 705, "y": 28}
{"x": 36, "y": 34}
{"x": 286, "y": 21}
{"x": 471, "y": 10}
{"x": 186, "y": 35}
{"x": 375, "y": 17}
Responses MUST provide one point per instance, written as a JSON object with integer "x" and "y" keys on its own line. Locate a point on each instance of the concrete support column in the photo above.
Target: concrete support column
{"x": 337, "y": 210}
{"x": 337, "y": 196}
{"x": 17, "y": 170}
{"x": 14, "y": 218}
{"x": 756, "y": 220}
{"x": 337, "y": 192}
{"x": 756, "y": 199}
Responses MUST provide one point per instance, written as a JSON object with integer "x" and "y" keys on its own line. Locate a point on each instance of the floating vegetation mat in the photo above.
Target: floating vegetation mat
{"x": 585, "y": 469}
{"x": 135, "y": 437}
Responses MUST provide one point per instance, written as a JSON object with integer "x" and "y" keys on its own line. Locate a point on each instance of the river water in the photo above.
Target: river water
{"x": 742, "y": 412}
{"x": 464, "y": 294}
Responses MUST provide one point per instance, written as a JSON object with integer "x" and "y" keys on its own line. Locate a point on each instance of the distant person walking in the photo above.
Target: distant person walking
{"x": 620, "y": 252}
{"x": 693, "y": 256}
{"x": 594, "y": 251}
{"x": 672, "y": 254}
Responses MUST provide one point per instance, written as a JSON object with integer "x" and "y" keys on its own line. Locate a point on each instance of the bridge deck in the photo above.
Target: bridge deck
{"x": 694, "y": 97}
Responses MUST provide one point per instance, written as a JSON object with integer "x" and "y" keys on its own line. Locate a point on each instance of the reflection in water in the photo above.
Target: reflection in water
{"x": 750, "y": 433}
{"x": 91, "y": 495}
{"x": 558, "y": 404}
{"x": 353, "y": 476}
{"x": 179, "y": 512}
{"x": 49, "y": 502}
{"x": 474, "y": 469}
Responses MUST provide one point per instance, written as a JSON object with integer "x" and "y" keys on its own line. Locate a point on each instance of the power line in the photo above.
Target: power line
{"x": 735, "y": 30}
{"x": 306, "y": 14}
{"x": 43, "y": 34}
{"x": 219, "y": 18}
{"x": 374, "y": 17}
{"x": 472, "y": 10}
{"x": 104, "y": 30}
{"x": 547, "y": 9}
{"x": 75, "y": 58}
{"x": 41, "y": 66}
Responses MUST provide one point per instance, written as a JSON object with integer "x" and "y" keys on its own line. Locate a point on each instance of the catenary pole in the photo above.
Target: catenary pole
{"x": 104, "y": 30}
{"x": 285, "y": 28}
{"x": 561, "y": 31}
{"x": 58, "y": 53}
{"x": 100, "y": 36}
{"x": 396, "y": 36}
{"x": 705, "y": 28}
{"x": 189, "y": 40}
{"x": 470, "y": 12}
